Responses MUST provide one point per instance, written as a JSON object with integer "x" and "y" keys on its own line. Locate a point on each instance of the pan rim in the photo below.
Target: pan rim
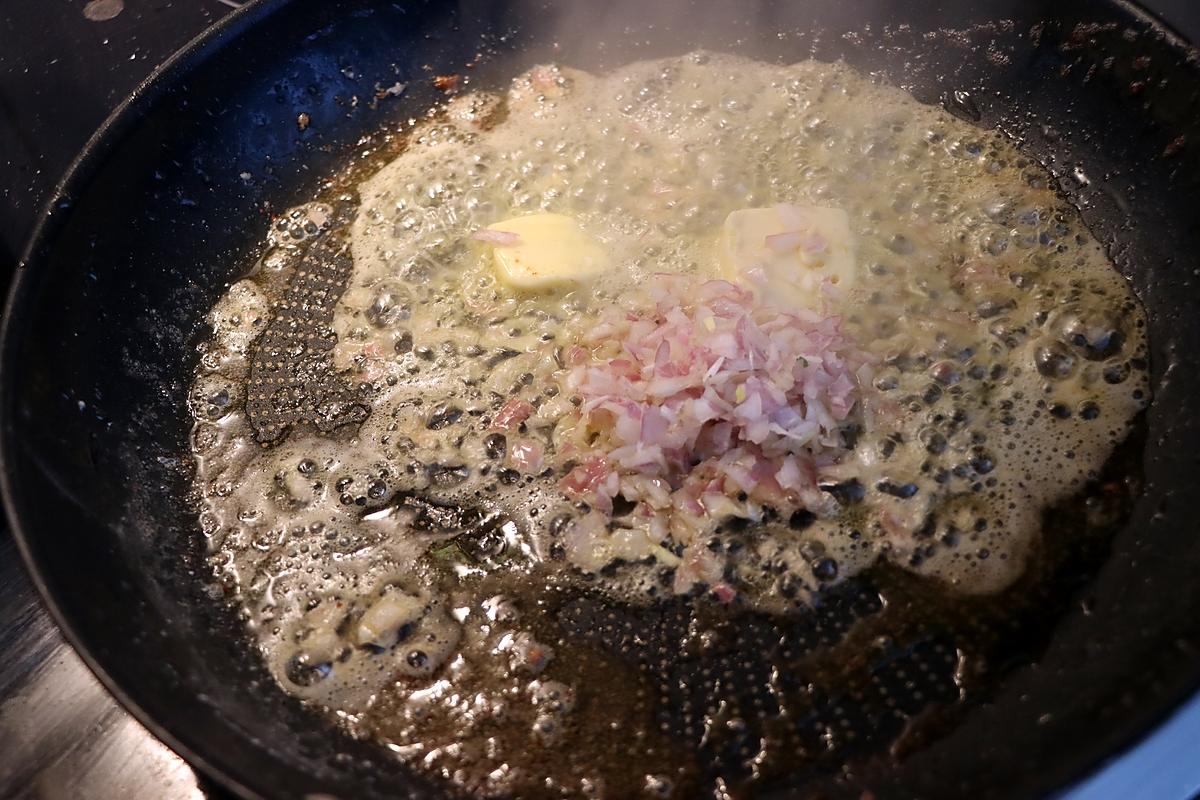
{"x": 1155, "y": 21}
{"x": 50, "y": 220}
{"x": 83, "y": 166}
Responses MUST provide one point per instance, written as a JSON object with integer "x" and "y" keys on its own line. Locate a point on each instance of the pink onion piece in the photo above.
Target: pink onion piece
{"x": 497, "y": 238}
{"x": 724, "y": 593}
{"x": 586, "y": 478}
{"x": 511, "y": 414}
{"x": 526, "y": 455}
{"x": 813, "y": 243}
{"x": 784, "y": 242}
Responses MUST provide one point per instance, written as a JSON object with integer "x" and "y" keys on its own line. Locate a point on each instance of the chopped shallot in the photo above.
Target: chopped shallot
{"x": 526, "y": 456}
{"x": 784, "y": 242}
{"x": 710, "y": 405}
{"x": 512, "y": 414}
{"x": 497, "y": 238}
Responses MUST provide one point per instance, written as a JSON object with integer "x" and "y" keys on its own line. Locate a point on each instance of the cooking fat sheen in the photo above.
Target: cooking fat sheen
{"x": 1006, "y": 360}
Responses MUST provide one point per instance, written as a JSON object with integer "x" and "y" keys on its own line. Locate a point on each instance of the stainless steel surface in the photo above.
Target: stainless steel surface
{"x": 61, "y": 734}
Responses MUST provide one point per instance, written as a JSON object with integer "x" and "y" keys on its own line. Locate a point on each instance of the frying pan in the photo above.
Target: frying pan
{"x": 169, "y": 200}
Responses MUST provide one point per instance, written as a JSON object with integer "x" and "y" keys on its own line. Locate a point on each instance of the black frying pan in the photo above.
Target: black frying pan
{"x": 155, "y": 219}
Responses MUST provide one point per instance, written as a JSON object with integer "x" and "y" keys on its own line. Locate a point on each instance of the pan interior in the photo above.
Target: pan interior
{"x": 352, "y": 464}
{"x": 93, "y": 439}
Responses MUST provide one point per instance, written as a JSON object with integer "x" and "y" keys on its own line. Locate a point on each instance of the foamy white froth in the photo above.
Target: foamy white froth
{"x": 1008, "y": 362}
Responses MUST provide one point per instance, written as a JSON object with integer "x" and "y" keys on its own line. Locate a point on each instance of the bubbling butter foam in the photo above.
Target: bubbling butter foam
{"x": 1008, "y": 360}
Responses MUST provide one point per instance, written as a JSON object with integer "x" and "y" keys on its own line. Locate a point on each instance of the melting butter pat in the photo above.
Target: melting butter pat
{"x": 786, "y": 252}
{"x": 549, "y": 251}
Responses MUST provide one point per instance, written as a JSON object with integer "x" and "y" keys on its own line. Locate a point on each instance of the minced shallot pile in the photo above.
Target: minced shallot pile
{"x": 701, "y": 406}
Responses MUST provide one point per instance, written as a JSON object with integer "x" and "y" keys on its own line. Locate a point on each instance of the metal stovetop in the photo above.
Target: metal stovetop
{"x": 64, "y": 64}
{"x": 62, "y": 70}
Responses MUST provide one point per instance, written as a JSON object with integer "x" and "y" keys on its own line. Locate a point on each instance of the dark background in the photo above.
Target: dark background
{"x": 61, "y": 74}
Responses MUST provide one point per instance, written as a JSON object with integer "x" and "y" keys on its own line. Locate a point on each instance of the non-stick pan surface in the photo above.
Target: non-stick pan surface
{"x": 171, "y": 197}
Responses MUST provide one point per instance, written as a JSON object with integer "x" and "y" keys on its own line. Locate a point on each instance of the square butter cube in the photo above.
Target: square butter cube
{"x": 786, "y": 252}
{"x": 548, "y": 251}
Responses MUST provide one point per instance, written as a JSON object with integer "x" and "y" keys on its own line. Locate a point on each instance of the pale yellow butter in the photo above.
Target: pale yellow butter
{"x": 553, "y": 251}
{"x": 815, "y": 246}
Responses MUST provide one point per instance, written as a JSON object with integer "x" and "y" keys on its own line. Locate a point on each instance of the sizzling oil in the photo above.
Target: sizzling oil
{"x": 1009, "y": 363}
